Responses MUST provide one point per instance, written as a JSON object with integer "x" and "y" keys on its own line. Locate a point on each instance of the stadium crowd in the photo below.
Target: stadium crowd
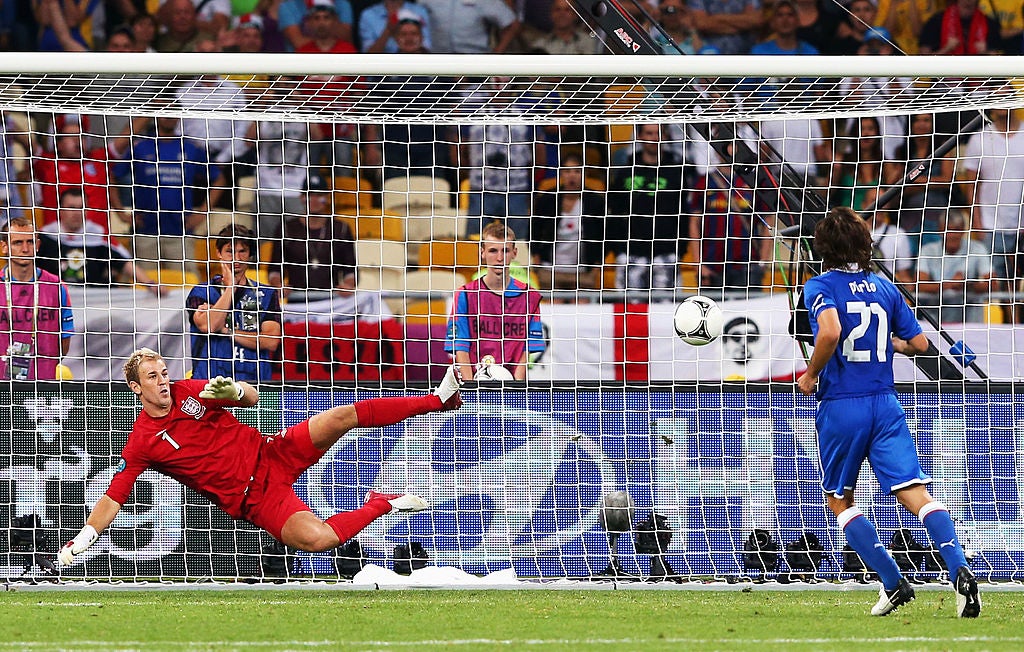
{"x": 640, "y": 208}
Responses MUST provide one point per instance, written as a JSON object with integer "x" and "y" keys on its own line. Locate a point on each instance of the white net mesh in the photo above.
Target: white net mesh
{"x": 681, "y": 190}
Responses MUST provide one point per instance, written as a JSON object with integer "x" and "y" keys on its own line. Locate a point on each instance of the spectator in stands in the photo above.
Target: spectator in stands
{"x": 224, "y": 138}
{"x": 904, "y": 18}
{"x": 15, "y": 193}
{"x": 144, "y": 28}
{"x": 79, "y": 252}
{"x": 498, "y": 159}
{"x": 412, "y": 149}
{"x": 78, "y": 15}
{"x": 314, "y": 251}
{"x": 293, "y": 17}
{"x": 566, "y": 230}
{"x": 926, "y": 197}
{"x": 784, "y": 23}
{"x": 992, "y": 164}
{"x": 465, "y": 27}
{"x": 727, "y": 233}
{"x": 415, "y": 149}
{"x": 181, "y": 27}
{"x": 235, "y": 322}
{"x": 379, "y": 24}
{"x": 955, "y": 274}
{"x": 19, "y": 29}
{"x": 860, "y": 16}
{"x": 802, "y": 146}
{"x": 892, "y": 246}
{"x": 495, "y": 315}
{"x": 32, "y": 341}
{"x": 817, "y": 27}
{"x": 212, "y": 16}
{"x": 960, "y": 29}
{"x": 69, "y": 166}
{"x": 877, "y": 91}
{"x": 245, "y": 37}
{"x": 281, "y": 152}
{"x": 646, "y": 215}
{"x": 169, "y": 176}
{"x": 1009, "y": 15}
{"x": 568, "y": 34}
{"x": 857, "y": 168}
{"x": 677, "y": 34}
{"x": 731, "y": 26}
{"x": 323, "y": 27}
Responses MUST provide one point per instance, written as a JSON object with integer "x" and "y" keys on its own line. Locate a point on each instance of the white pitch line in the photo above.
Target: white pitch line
{"x": 280, "y": 645}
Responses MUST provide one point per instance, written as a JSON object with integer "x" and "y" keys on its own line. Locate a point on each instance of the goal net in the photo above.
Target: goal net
{"x": 366, "y": 182}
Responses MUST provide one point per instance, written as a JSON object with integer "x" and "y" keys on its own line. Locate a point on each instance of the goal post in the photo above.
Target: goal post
{"x": 414, "y": 153}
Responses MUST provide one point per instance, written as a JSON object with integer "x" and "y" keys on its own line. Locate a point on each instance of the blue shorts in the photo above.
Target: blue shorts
{"x": 873, "y": 428}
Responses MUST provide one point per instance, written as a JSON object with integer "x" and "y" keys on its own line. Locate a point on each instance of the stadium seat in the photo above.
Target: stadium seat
{"x": 461, "y": 256}
{"x": 433, "y": 310}
{"x": 380, "y": 253}
{"x": 170, "y": 277}
{"x": 440, "y": 224}
{"x": 352, "y": 195}
{"x": 413, "y": 194}
{"x": 589, "y": 182}
{"x": 245, "y": 195}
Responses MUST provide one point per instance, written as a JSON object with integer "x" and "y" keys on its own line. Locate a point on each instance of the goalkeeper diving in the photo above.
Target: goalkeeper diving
{"x": 185, "y": 433}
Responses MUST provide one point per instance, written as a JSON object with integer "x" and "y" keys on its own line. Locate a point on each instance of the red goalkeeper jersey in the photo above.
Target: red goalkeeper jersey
{"x": 199, "y": 444}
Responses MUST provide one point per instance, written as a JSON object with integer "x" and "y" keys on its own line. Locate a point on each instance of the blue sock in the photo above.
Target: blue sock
{"x": 863, "y": 538}
{"x": 935, "y": 518}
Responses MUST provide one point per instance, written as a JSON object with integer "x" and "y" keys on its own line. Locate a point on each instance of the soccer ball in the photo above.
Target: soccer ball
{"x": 488, "y": 371}
{"x": 698, "y": 320}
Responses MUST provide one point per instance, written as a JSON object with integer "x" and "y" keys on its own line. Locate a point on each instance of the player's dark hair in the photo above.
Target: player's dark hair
{"x": 842, "y": 238}
{"x": 70, "y": 192}
{"x": 236, "y": 234}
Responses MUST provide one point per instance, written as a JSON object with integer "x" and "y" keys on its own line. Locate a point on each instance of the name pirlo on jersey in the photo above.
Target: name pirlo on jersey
{"x": 862, "y": 286}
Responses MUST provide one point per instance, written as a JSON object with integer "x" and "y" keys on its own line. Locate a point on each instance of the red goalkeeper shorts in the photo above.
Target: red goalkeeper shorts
{"x": 271, "y": 499}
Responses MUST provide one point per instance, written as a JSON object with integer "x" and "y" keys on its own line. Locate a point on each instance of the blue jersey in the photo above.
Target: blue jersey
{"x": 871, "y": 310}
{"x": 165, "y": 173}
{"x": 216, "y": 355}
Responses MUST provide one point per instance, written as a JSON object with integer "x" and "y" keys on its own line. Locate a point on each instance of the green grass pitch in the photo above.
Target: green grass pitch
{"x": 260, "y": 619}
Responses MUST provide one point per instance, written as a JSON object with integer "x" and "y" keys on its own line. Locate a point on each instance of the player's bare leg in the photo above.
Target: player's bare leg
{"x": 303, "y": 530}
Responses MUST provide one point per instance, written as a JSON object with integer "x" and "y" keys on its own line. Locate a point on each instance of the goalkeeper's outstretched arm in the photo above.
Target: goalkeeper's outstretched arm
{"x": 100, "y": 518}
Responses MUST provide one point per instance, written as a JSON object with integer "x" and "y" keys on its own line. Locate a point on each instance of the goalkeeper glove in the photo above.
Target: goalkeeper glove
{"x": 223, "y": 389}
{"x": 78, "y": 545}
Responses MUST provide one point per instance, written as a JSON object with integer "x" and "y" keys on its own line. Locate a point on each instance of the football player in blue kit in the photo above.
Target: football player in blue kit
{"x": 859, "y": 319}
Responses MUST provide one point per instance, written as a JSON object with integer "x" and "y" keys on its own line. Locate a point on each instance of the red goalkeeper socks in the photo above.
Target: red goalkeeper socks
{"x": 348, "y": 524}
{"x": 390, "y": 410}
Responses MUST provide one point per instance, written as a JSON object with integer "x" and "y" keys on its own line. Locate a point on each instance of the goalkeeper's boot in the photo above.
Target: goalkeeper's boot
{"x": 399, "y": 502}
{"x": 448, "y": 389}
{"x": 889, "y": 600}
{"x": 968, "y": 604}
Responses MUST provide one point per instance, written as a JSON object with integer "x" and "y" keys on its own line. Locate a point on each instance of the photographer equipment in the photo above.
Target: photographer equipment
{"x": 408, "y": 558}
{"x": 27, "y": 543}
{"x": 913, "y": 557}
{"x": 760, "y": 552}
{"x": 349, "y": 559}
{"x": 616, "y": 517}
{"x": 855, "y": 566}
{"x": 652, "y": 537}
{"x": 804, "y": 557}
{"x": 277, "y": 562}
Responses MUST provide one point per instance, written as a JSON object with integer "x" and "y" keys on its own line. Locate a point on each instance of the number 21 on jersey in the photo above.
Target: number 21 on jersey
{"x": 866, "y": 312}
